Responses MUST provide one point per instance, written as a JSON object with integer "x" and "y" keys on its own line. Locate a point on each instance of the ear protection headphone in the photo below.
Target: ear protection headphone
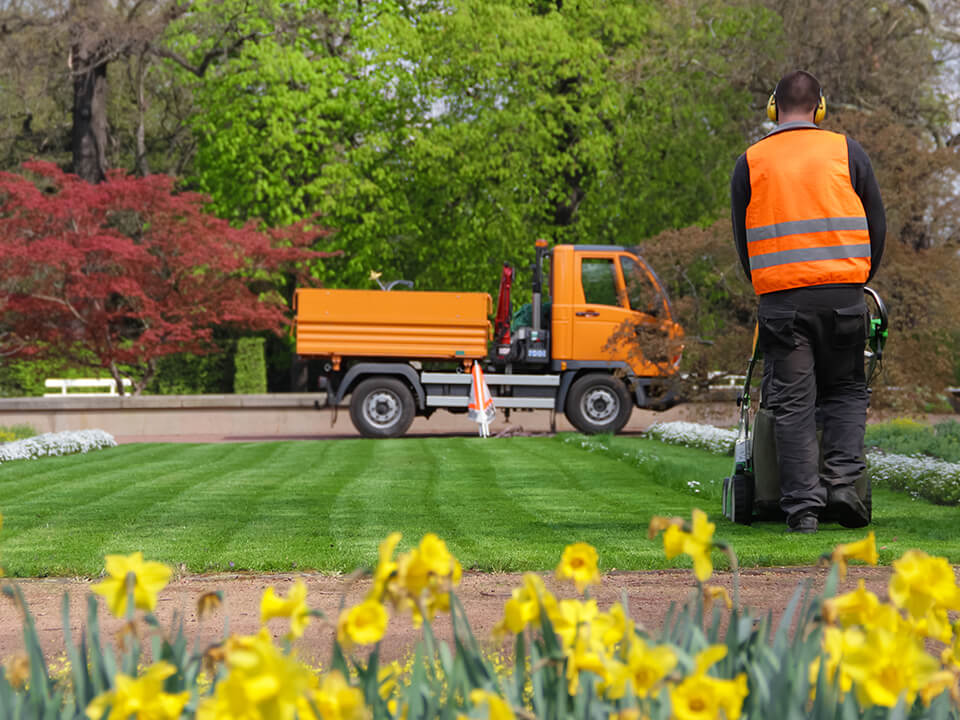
{"x": 818, "y": 115}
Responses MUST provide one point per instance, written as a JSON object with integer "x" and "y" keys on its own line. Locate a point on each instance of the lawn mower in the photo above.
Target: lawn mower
{"x": 752, "y": 492}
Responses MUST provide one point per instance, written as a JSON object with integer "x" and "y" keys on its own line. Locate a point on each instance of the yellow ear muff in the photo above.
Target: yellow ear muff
{"x": 821, "y": 112}
{"x": 772, "y": 107}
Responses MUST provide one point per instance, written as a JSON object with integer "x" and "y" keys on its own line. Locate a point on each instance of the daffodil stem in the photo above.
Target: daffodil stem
{"x": 734, "y": 570}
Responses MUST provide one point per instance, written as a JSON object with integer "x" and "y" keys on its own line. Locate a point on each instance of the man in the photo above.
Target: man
{"x": 809, "y": 226}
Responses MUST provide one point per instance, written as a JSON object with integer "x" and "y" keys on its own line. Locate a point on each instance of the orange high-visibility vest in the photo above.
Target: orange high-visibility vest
{"x": 805, "y": 223}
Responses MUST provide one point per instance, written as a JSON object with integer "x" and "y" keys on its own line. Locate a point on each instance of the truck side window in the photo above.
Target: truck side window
{"x": 599, "y": 281}
{"x": 643, "y": 296}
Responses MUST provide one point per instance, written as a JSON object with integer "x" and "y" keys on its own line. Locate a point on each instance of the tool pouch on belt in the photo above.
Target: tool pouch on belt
{"x": 851, "y": 325}
{"x": 775, "y": 329}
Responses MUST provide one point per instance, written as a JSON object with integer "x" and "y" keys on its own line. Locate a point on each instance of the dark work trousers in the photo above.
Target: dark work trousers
{"x": 812, "y": 340}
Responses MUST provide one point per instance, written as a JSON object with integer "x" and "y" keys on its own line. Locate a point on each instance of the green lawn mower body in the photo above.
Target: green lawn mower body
{"x": 752, "y": 492}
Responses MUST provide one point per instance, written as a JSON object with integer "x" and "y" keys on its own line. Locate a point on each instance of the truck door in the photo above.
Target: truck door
{"x": 654, "y": 328}
{"x": 600, "y": 306}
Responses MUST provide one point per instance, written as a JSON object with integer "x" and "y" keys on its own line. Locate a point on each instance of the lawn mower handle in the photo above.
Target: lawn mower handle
{"x": 881, "y": 308}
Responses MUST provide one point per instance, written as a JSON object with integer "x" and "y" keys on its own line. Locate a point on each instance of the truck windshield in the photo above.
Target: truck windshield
{"x": 644, "y": 296}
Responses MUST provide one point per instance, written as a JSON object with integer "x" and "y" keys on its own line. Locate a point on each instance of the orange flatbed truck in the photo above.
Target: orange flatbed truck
{"x": 400, "y": 353}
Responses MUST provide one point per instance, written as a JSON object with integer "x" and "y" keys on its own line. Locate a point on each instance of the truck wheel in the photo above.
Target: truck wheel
{"x": 381, "y": 407}
{"x": 598, "y": 404}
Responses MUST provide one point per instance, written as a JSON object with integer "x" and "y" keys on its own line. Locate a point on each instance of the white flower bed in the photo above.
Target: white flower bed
{"x": 695, "y": 435}
{"x": 67, "y": 442}
{"x": 919, "y": 475}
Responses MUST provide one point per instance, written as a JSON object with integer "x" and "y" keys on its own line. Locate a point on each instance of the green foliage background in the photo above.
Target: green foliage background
{"x": 250, "y": 376}
{"x": 440, "y": 142}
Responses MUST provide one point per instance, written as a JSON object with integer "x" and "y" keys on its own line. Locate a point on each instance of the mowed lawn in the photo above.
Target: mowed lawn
{"x": 500, "y": 504}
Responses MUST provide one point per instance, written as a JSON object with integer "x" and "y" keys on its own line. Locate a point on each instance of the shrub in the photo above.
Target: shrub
{"x": 26, "y": 377}
{"x": 16, "y": 432}
{"x": 848, "y": 656}
{"x": 250, "y": 376}
{"x": 909, "y": 437}
{"x": 188, "y": 374}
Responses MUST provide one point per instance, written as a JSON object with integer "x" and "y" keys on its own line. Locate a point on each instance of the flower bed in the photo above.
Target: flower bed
{"x": 67, "y": 442}
{"x": 849, "y": 656}
{"x": 905, "y": 436}
{"x": 921, "y": 476}
{"x": 695, "y": 435}
{"x": 924, "y": 477}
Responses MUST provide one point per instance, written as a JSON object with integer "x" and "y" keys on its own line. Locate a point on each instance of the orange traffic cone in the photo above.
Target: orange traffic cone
{"x": 480, "y": 409}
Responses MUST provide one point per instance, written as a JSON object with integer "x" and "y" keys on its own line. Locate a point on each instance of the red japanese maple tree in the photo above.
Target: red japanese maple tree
{"x": 126, "y": 271}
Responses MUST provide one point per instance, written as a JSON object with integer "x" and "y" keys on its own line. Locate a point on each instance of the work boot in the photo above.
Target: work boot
{"x": 845, "y": 506}
{"x": 803, "y": 523}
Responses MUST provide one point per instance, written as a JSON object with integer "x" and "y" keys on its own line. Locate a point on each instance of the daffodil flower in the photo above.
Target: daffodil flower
{"x": 140, "y": 698}
{"x": 579, "y": 563}
{"x": 386, "y": 567}
{"x": 612, "y": 627}
{"x": 921, "y": 583}
{"x": 294, "y": 607}
{"x": 703, "y": 697}
{"x": 887, "y": 665}
{"x": 864, "y": 550}
{"x": 424, "y": 578}
{"x": 645, "y": 668}
{"x": 208, "y": 602}
{"x": 498, "y": 707}
{"x": 697, "y": 544}
{"x": 700, "y": 696}
{"x": 261, "y": 682}
{"x": 363, "y": 624}
{"x": 336, "y": 699}
{"x": 148, "y": 579}
{"x": 523, "y": 608}
{"x": 713, "y": 593}
{"x": 858, "y": 607}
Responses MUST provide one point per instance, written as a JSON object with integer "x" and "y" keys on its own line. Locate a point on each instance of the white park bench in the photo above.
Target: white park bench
{"x": 66, "y": 385}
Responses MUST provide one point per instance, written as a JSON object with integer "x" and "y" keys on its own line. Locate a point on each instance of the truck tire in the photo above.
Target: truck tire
{"x": 598, "y": 404}
{"x": 381, "y": 407}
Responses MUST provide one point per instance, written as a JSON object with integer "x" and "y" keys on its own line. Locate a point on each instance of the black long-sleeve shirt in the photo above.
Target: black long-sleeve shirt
{"x": 861, "y": 177}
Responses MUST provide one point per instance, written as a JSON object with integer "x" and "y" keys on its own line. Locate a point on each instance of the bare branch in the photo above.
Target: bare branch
{"x": 940, "y": 30}
{"x": 65, "y": 303}
{"x": 211, "y": 55}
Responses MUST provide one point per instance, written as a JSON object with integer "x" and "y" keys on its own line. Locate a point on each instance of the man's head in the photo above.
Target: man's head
{"x": 797, "y": 97}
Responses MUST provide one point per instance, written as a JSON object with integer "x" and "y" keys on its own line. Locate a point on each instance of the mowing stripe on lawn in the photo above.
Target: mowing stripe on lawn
{"x": 501, "y": 504}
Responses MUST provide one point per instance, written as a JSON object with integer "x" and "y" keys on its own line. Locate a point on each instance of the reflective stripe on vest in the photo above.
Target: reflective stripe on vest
{"x": 805, "y": 223}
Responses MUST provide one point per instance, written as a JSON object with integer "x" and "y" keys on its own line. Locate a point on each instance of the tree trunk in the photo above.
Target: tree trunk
{"x": 117, "y": 378}
{"x": 89, "y": 94}
{"x": 141, "y": 165}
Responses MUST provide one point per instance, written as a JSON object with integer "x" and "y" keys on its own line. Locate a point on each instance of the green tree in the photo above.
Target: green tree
{"x": 440, "y": 141}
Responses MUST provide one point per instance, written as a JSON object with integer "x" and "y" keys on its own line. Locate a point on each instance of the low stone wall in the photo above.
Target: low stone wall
{"x": 173, "y": 415}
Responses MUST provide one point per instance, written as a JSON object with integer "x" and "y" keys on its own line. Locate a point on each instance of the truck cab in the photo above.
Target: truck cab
{"x": 598, "y": 296}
